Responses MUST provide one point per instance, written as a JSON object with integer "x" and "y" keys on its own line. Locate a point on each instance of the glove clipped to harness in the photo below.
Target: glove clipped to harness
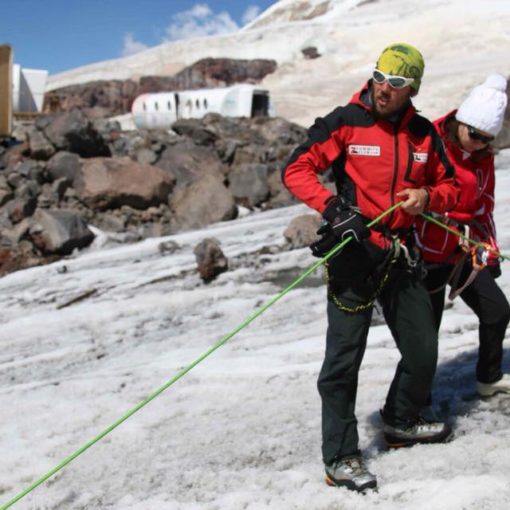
{"x": 483, "y": 255}
{"x": 341, "y": 221}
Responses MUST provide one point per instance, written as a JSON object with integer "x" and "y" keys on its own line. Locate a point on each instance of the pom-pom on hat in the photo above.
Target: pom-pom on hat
{"x": 484, "y": 107}
{"x": 401, "y": 59}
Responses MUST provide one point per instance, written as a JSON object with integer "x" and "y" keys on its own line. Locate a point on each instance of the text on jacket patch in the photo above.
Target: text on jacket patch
{"x": 420, "y": 157}
{"x": 365, "y": 150}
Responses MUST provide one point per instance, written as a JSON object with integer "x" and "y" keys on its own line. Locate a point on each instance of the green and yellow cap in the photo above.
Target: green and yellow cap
{"x": 401, "y": 59}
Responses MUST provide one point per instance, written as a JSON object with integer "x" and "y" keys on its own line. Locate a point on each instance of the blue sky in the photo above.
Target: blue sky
{"x": 62, "y": 34}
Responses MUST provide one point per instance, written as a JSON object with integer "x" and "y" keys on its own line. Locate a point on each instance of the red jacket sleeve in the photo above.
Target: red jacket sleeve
{"x": 311, "y": 158}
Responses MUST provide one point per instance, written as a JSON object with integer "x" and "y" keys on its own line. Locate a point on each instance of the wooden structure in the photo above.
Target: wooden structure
{"x": 5, "y": 90}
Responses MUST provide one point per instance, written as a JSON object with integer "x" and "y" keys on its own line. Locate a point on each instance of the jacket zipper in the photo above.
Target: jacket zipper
{"x": 395, "y": 173}
{"x": 410, "y": 160}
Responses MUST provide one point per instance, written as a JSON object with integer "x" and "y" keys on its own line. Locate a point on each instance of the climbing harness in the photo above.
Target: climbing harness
{"x": 396, "y": 251}
{"x": 469, "y": 248}
{"x": 430, "y": 218}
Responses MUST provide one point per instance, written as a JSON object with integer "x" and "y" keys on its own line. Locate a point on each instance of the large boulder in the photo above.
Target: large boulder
{"x": 59, "y": 231}
{"x": 109, "y": 183}
{"x": 189, "y": 162}
{"x": 248, "y": 184}
{"x": 249, "y": 153}
{"x": 73, "y": 132}
{"x": 202, "y": 202}
{"x": 40, "y": 146}
{"x": 194, "y": 128}
{"x": 279, "y": 195}
{"x": 302, "y": 230}
{"x": 279, "y": 130}
{"x": 63, "y": 165}
{"x": 230, "y": 128}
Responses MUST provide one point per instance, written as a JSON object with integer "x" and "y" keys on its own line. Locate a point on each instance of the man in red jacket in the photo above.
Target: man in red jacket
{"x": 381, "y": 152}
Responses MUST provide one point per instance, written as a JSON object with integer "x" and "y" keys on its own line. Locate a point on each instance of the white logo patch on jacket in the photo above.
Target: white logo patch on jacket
{"x": 365, "y": 150}
{"x": 420, "y": 157}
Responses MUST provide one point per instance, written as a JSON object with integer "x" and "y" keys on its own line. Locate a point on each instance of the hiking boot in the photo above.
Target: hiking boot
{"x": 490, "y": 389}
{"x": 350, "y": 472}
{"x": 419, "y": 432}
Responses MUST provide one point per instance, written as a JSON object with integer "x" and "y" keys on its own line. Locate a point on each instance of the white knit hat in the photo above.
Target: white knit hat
{"x": 484, "y": 107}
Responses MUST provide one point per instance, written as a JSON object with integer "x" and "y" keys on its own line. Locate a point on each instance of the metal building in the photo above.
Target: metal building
{"x": 162, "y": 109}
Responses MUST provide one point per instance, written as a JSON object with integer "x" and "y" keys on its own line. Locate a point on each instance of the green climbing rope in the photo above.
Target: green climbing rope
{"x": 185, "y": 370}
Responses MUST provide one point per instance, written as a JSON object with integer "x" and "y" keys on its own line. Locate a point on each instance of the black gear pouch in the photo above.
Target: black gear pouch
{"x": 357, "y": 274}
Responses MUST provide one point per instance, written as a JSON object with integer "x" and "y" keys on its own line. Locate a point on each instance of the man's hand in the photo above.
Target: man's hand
{"x": 415, "y": 200}
{"x": 340, "y": 222}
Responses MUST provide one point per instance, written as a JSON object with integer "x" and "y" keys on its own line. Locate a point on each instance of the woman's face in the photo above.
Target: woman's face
{"x": 472, "y": 139}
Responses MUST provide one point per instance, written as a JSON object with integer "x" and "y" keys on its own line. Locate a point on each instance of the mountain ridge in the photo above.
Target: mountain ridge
{"x": 461, "y": 41}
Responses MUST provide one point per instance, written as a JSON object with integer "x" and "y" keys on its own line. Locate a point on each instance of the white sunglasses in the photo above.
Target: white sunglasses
{"x": 397, "y": 82}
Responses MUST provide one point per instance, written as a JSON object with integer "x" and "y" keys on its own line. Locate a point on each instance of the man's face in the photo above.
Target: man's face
{"x": 388, "y": 100}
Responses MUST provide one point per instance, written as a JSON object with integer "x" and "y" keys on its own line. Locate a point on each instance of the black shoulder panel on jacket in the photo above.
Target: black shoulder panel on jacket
{"x": 420, "y": 126}
{"x": 439, "y": 147}
{"x": 349, "y": 115}
{"x": 357, "y": 116}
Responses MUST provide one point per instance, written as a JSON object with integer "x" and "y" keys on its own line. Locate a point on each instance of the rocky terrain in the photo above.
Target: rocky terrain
{"x": 74, "y": 171}
{"x": 461, "y": 40}
{"x": 71, "y": 174}
{"x": 76, "y": 167}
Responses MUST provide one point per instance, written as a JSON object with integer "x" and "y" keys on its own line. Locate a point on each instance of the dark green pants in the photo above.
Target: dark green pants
{"x": 408, "y": 313}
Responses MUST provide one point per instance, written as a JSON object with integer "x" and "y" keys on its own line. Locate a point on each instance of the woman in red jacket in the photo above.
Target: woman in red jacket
{"x": 471, "y": 272}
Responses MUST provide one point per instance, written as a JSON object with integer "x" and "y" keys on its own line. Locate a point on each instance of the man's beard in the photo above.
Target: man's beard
{"x": 386, "y": 113}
